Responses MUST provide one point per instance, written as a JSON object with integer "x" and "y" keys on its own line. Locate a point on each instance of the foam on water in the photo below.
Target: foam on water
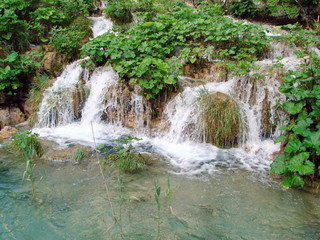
{"x": 101, "y": 25}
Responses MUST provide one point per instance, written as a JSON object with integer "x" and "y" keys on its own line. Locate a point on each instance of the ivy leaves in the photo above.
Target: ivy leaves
{"x": 301, "y": 153}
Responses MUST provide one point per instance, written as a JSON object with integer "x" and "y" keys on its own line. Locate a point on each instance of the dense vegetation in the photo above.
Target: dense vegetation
{"x": 24, "y": 23}
{"x": 150, "y": 53}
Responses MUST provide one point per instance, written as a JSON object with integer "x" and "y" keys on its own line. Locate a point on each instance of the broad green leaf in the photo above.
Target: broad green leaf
{"x": 279, "y": 166}
{"x": 296, "y": 163}
{"x": 301, "y": 127}
{"x": 280, "y": 139}
{"x": 292, "y": 181}
{"x": 293, "y": 107}
{"x": 313, "y": 139}
{"x": 292, "y": 146}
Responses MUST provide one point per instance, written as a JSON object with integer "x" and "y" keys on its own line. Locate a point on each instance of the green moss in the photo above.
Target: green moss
{"x": 220, "y": 118}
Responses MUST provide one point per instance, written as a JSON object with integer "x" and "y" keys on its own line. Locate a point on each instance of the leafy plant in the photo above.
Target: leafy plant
{"x": 69, "y": 39}
{"x": 13, "y": 68}
{"x": 243, "y": 8}
{"x": 27, "y": 144}
{"x": 119, "y": 11}
{"x": 78, "y": 155}
{"x": 148, "y": 54}
{"x": 301, "y": 152}
{"x": 124, "y": 158}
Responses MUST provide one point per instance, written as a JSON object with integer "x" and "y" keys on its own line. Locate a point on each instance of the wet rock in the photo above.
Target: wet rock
{"x": 4, "y": 117}
{"x": 16, "y": 116}
{"x": 7, "y": 132}
{"x": 206, "y": 71}
{"x": 53, "y": 62}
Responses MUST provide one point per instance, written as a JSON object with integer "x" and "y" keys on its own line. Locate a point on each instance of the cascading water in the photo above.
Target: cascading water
{"x": 114, "y": 110}
{"x": 57, "y": 106}
{"x": 101, "y": 81}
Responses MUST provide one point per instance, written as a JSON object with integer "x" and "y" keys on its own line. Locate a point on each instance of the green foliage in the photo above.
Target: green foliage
{"x": 27, "y": 144}
{"x": 78, "y": 155}
{"x": 13, "y": 68}
{"x": 243, "y": 8}
{"x": 124, "y": 158}
{"x": 119, "y": 11}
{"x": 148, "y": 53}
{"x": 301, "y": 156}
{"x": 304, "y": 38}
{"x": 69, "y": 39}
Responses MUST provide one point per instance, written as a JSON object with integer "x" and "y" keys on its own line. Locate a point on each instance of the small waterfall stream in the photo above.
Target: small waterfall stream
{"x": 114, "y": 111}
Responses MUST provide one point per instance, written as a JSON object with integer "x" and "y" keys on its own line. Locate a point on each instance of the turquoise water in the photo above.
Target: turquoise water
{"x": 229, "y": 204}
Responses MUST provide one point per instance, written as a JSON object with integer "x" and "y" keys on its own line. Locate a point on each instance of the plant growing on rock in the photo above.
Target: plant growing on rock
{"x": 220, "y": 118}
{"x": 148, "y": 54}
{"x": 124, "y": 158}
{"x": 300, "y": 158}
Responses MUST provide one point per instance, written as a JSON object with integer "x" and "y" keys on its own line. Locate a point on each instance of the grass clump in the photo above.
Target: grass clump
{"x": 124, "y": 158}
{"x": 78, "y": 155}
{"x": 220, "y": 119}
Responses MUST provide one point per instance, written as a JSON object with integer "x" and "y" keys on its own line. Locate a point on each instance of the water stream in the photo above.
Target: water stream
{"x": 217, "y": 193}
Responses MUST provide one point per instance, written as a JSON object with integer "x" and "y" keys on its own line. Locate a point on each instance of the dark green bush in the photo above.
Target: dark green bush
{"x": 120, "y": 13}
{"x": 243, "y": 8}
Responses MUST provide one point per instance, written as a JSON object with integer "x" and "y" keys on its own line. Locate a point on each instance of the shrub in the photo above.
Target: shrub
{"x": 119, "y": 13}
{"x": 13, "y": 68}
{"x": 243, "y": 8}
{"x": 68, "y": 40}
{"x": 301, "y": 153}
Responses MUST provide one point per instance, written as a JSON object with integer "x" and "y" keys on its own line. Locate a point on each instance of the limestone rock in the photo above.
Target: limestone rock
{"x": 7, "y": 132}
{"x": 16, "y": 116}
{"x": 11, "y": 116}
{"x": 53, "y": 62}
{"x": 4, "y": 117}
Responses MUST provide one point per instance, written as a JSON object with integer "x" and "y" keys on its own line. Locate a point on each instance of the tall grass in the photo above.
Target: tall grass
{"x": 27, "y": 144}
{"x": 220, "y": 119}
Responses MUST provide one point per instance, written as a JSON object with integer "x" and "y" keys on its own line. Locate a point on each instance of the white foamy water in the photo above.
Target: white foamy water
{"x": 110, "y": 106}
{"x": 101, "y": 81}
{"x": 101, "y": 25}
{"x": 57, "y": 106}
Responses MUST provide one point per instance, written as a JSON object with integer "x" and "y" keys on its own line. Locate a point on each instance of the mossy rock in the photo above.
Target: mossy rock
{"x": 220, "y": 117}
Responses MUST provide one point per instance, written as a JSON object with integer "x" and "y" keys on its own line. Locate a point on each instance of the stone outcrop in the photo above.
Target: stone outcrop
{"x": 7, "y": 132}
{"x": 53, "y": 62}
{"x": 11, "y": 116}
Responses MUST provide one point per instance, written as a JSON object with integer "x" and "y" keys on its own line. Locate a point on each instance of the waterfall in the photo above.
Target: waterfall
{"x": 115, "y": 108}
{"x": 60, "y": 105}
{"x": 101, "y": 81}
{"x": 100, "y": 25}
{"x": 57, "y": 106}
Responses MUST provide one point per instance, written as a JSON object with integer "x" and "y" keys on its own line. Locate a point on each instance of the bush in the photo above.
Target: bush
{"x": 68, "y": 40}
{"x": 243, "y": 8}
{"x": 301, "y": 153}
{"x": 12, "y": 70}
{"x": 119, "y": 13}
